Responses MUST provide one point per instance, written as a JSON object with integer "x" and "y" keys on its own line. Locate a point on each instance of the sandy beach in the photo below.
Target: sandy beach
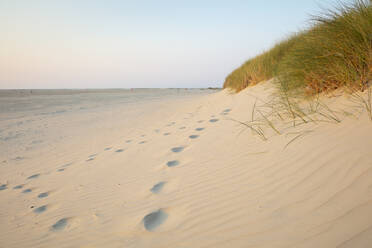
{"x": 186, "y": 124}
{"x": 180, "y": 171}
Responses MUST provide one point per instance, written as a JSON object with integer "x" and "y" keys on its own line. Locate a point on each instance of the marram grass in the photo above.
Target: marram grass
{"x": 260, "y": 68}
{"x": 335, "y": 52}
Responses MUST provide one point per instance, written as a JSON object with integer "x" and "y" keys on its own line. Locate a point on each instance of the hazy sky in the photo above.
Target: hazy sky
{"x": 138, "y": 43}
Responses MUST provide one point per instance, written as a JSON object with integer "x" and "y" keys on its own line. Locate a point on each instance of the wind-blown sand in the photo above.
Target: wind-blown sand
{"x": 181, "y": 173}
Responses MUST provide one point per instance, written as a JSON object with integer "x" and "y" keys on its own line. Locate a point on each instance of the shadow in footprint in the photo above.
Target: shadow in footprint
{"x": 225, "y": 112}
{"x": 177, "y": 149}
{"x": 157, "y": 187}
{"x": 200, "y": 121}
{"x": 67, "y": 165}
{"x": 18, "y": 186}
{"x": 91, "y": 159}
{"x": 193, "y": 136}
{"x": 92, "y": 155}
{"x": 171, "y": 124}
{"x": 213, "y": 120}
{"x": 41, "y": 209}
{"x": 33, "y": 176}
{"x": 173, "y": 163}
{"x": 107, "y": 149}
{"x": 182, "y": 127}
{"x": 60, "y": 225}
{"x": 120, "y": 150}
{"x": 62, "y": 169}
{"x": 18, "y": 158}
{"x": 166, "y": 134}
{"x": 199, "y": 129}
{"x": 3, "y": 187}
{"x": 27, "y": 191}
{"x": 43, "y": 195}
{"x": 154, "y": 220}
{"x": 142, "y": 142}
{"x": 128, "y": 141}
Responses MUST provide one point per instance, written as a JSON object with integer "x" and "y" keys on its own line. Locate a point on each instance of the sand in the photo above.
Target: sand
{"x": 180, "y": 172}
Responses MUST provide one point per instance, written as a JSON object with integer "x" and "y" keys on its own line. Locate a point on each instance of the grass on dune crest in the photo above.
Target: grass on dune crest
{"x": 335, "y": 52}
{"x": 260, "y": 68}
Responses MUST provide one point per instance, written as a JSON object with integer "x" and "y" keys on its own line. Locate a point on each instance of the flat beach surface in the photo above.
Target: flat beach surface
{"x": 174, "y": 168}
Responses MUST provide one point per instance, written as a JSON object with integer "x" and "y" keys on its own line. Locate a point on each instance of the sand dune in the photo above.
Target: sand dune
{"x": 184, "y": 174}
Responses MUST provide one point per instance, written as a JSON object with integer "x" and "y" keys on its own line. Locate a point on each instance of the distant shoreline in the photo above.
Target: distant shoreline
{"x": 24, "y": 92}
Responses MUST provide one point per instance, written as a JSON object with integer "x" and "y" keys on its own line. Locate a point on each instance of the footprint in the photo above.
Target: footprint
{"x": 90, "y": 159}
{"x": 199, "y": 129}
{"x": 200, "y": 121}
{"x": 66, "y": 165}
{"x": 60, "y": 225}
{"x": 128, "y": 141}
{"x": 166, "y": 134}
{"x": 225, "y": 112}
{"x": 213, "y": 120}
{"x": 193, "y": 136}
{"x": 41, "y": 209}
{"x": 173, "y": 163}
{"x": 43, "y": 195}
{"x": 171, "y": 124}
{"x": 182, "y": 127}
{"x": 157, "y": 187}
{"x": 142, "y": 142}
{"x": 119, "y": 150}
{"x": 92, "y": 155}
{"x": 107, "y": 149}
{"x": 33, "y": 176}
{"x": 27, "y": 191}
{"x": 18, "y": 186}
{"x": 18, "y": 158}
{"x": 3, "y": 187}
{"x": 177, "y": 149}
{"x": 62, "y": 169}
{"x": 154, "y": 220}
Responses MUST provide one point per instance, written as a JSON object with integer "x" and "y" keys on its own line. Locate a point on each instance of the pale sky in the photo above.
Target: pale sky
{"x": 131, "y": 44}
